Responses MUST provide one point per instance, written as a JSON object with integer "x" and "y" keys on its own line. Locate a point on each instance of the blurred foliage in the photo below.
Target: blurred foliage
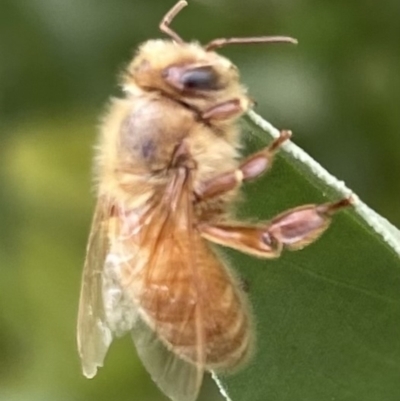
{"x": 338, "y": 91}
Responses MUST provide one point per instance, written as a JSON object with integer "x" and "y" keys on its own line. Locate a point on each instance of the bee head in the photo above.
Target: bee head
{"x": 190, "y": 73}
{"x": 183, "y": 71}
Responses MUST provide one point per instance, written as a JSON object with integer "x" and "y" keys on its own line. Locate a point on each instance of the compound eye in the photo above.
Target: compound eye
{"x": 200, "y": 78}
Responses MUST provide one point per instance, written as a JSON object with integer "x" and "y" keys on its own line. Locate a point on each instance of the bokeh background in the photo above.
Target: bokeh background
{"x": 339, "y": 91}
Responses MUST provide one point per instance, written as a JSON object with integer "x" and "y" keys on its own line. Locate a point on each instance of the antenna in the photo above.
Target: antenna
{"x": 168, "y": 17}
{"x": 220, "y": 42}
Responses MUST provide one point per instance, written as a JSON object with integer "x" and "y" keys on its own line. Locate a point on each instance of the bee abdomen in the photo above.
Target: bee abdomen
{"x": 230, "y": 336}
{"x": 219, "y": 326}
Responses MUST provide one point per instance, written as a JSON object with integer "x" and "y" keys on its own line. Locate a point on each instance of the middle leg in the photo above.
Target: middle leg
{"x": 293, "y": 230}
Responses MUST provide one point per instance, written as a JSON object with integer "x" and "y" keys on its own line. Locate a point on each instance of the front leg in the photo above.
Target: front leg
{"x": 293, "y": 229}
{"x": 252, "y": 167}
{"x": 226, "y": 110}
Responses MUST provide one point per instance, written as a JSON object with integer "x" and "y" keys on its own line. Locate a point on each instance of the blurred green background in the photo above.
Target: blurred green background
{"x": 339, "y": 91}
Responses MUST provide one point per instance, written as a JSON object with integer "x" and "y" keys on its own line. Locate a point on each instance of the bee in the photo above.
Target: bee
{"x": 168, "y": 168}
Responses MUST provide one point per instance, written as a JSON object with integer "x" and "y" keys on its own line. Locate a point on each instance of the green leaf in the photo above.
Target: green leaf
{"x": 327, "y": 317}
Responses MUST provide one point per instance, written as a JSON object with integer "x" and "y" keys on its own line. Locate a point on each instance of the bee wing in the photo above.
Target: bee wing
{"x": 178, "y": 379}
{"x": 93, "y": 335}
{"x": 143, "y": 273}
{"x": 164, "y": 288}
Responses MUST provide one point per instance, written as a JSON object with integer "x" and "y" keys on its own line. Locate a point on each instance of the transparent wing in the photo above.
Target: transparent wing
{"x": 94, "y": 335}
{"x": 178, "y": 379}
{"x": 160, "y": 279}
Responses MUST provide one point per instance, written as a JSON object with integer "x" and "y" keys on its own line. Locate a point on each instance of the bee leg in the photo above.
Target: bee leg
{"x": 252, "y": 167}
{"x": 224, "y": 111}
{"x": 244, "y": 284}
{"x": 293, "y": 230}
{"x": 182, "y": 158}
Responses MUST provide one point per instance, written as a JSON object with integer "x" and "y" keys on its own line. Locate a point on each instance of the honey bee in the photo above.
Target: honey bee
{"x": 167, "y": 170}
